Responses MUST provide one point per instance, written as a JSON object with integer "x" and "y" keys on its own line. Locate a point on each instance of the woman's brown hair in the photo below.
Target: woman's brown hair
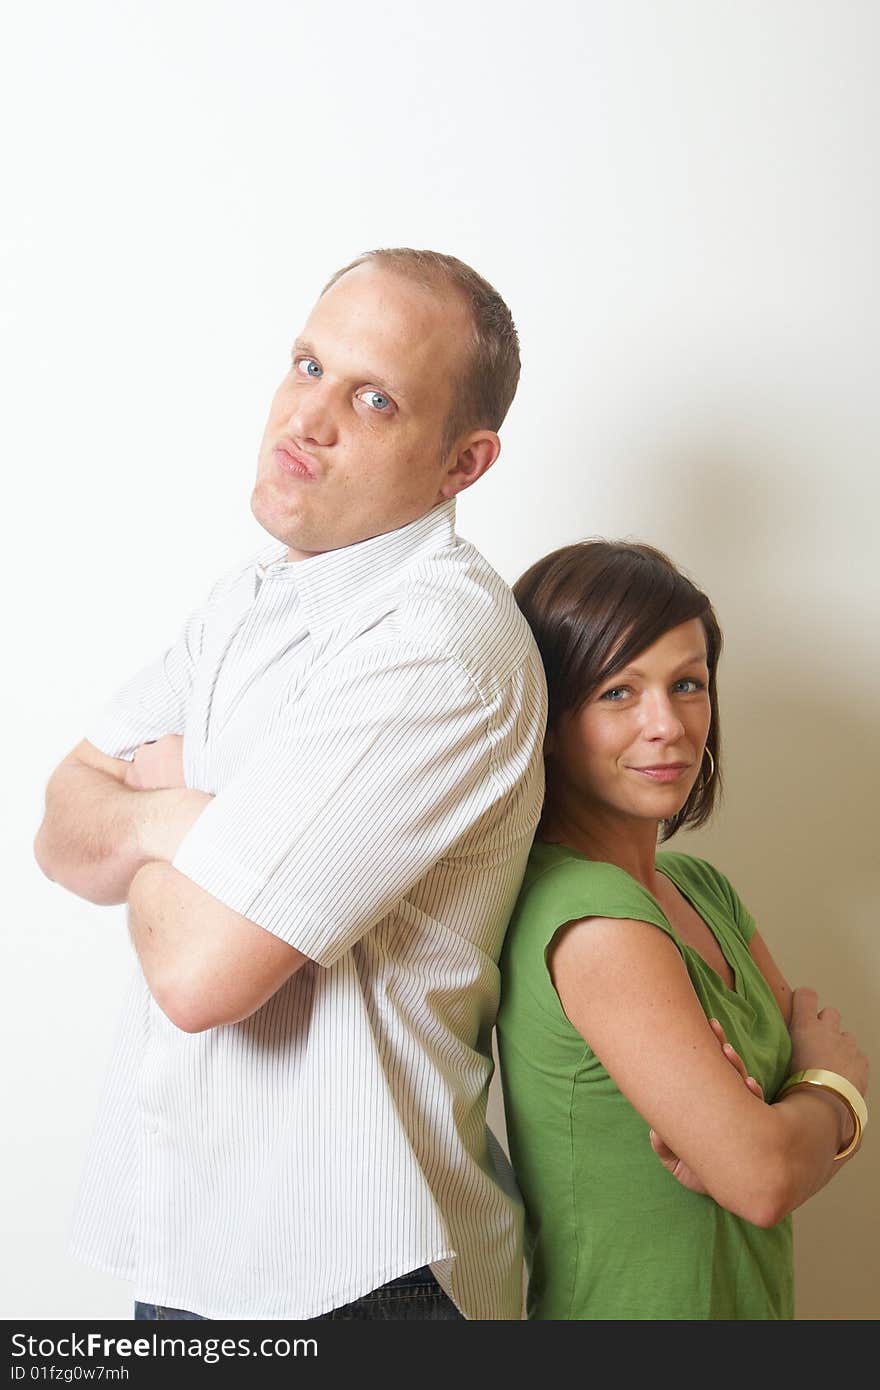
{"x": 593, "y": 606}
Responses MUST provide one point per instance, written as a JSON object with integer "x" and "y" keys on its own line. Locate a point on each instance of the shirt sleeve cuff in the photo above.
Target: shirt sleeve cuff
{"x": 220, "y": 875}
{"x": 112, "y": 736}
{"x": 248, "y": 894}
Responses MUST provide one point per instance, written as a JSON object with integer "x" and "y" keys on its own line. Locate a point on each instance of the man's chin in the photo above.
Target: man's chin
{"x": 281, "y": 526}
{"x": 268, "y": 514}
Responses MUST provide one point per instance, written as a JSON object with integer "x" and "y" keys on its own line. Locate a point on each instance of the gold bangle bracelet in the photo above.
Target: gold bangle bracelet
{"x": 844, "y": 1090}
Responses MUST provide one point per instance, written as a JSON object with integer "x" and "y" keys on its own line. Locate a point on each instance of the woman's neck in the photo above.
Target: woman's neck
{"x": 627, "y": 842}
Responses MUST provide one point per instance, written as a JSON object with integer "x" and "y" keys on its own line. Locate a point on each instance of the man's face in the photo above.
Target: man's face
{"x": 352, "y": 446}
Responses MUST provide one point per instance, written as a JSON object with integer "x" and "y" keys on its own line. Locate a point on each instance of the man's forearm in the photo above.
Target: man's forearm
{"x": 97, "y": 832}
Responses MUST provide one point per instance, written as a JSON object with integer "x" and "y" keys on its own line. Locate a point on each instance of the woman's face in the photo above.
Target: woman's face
{"x": 636, "y": 746}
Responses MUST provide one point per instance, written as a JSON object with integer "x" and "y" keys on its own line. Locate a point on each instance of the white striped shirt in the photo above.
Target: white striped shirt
{"x": 370, "y": 723}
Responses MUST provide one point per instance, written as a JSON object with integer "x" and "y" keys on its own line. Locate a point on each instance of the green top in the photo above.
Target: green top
{"x": 610, "y": 1234}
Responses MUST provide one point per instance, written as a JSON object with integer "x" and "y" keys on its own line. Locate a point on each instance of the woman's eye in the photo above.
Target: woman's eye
{"x": 309, "y": 367}
{"x": 688, "y": 686}
{"x": 617, "y": 692}
{"x": 376, "y": 400}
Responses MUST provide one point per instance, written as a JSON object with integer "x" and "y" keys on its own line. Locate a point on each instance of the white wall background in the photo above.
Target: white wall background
{"x": 679, "y": 200}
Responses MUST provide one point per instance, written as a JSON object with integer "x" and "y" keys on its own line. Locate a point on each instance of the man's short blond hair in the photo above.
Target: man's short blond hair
{"x": 490, "y": 372}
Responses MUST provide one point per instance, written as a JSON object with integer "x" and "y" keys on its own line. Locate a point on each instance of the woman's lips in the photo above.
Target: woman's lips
{"x": 670, "y": 772}
{"x": 292, "y": 461}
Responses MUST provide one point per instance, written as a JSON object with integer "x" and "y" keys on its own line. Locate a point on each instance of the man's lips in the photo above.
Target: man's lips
{"x": 662, "y": 772}
{"x": 289, "y": 458}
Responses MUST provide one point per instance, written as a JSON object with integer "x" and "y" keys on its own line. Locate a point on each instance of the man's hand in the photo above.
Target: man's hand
{"x": 98, "y": 830}
{"x": 157, "y": 765}
{"x": 169, "y": 822}
{"x": 671, "y": 1162}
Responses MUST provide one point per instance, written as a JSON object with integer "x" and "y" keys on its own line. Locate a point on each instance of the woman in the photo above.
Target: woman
{"x": 645, "y": 1032}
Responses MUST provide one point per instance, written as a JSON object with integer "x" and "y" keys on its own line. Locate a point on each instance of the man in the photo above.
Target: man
{"x": 318, "y": 806}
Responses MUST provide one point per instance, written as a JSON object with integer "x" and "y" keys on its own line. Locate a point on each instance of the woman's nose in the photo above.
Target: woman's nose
{"x": 662, "y": 719}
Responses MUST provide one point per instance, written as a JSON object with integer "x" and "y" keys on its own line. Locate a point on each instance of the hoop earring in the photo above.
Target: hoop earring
{"x": 707, "y": 753}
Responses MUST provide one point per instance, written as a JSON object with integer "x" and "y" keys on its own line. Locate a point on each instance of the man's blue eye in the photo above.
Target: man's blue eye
{"x": 309, "y": 367}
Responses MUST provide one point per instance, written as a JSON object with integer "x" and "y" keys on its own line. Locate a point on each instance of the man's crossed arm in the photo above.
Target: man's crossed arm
{"x": 103, "y": 822}
{"x": 110, "y": 831}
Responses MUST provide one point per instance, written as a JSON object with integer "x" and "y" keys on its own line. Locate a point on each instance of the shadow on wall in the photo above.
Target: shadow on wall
{"x": 796, "y": 833}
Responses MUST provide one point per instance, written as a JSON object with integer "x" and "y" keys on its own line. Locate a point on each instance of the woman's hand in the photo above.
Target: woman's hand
{"x": 671, "y": 1162}
{"x": 817, "y": 1040}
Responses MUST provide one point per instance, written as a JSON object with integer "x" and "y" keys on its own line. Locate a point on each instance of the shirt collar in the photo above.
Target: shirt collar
{"x": 332, "y": 584}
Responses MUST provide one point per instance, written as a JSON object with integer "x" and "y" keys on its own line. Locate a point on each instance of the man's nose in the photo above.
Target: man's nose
{"x": 313, "y": 416}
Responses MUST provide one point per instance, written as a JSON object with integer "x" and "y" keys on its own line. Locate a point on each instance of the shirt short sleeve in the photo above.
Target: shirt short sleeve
{"x": 562, "y": 887}
{"x": 573, "y": 889}
{"x": 386, "y": 764}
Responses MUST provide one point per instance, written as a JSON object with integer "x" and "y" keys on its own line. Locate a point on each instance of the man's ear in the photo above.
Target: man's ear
{"x": 476, "y": 454}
